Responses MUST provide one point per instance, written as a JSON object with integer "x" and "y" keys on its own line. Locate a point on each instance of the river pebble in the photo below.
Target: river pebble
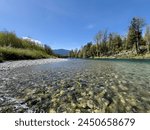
{"x": 66, "y": 85}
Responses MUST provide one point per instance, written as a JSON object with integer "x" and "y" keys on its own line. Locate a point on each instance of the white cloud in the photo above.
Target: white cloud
{"x": 33, "y": 40}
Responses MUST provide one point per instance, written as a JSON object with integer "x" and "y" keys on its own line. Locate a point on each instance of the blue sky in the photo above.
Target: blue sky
{"x": 69, "y": 23}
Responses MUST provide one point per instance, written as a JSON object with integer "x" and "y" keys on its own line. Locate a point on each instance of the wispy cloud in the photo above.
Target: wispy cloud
{"x": 90, "y": 26}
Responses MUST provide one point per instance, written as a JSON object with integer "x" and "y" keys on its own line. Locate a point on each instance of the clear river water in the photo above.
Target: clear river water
{"x": 77, "y": 85}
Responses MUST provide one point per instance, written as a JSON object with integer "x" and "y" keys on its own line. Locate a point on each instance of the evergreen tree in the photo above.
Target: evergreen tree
{"x": 135, "y": 33}
{"x": 48, "y": 49}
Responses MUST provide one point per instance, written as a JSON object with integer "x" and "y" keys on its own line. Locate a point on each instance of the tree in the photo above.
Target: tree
{"x": 124, "y": 41}
{"x": 76, "y": 53}
{"x": 135, "y": 32}
{"x": 80, "y": 53}
{"x": 110, "y": 39}
{"x": 93, "y": 50}
{"x": 117, "y": 42}
{"x": 98, "y": 40}
{"x": 147, "y": 38}
{"x": 113, "y": 43}
{"x": 104, "y": 42}
{"x": 48, "y": 49}
{"x": 101, "y": 40}
{"x": 131, "y": 39}
{"x": 87, "y": 50}
{"x": 71, "y": 54}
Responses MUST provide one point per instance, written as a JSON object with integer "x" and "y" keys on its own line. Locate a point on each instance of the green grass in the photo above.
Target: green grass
{"x": 1, "y": 59}
{"x": 15, "y": 48}
{"x": 9, "y": 53}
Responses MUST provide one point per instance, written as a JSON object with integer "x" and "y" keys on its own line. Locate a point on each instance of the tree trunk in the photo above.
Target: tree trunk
{"x": 137, "y": 43}
{"x": 97, "y": 49}
{"x": 148, "y": 44}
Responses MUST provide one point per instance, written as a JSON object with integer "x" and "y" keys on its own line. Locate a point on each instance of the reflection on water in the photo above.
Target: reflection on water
{"x": 78, "y": 86}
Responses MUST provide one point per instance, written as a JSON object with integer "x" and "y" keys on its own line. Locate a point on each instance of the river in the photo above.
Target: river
{"x": 77, "y": 85}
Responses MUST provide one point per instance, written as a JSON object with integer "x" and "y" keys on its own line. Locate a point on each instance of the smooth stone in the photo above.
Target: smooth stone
{"x": 77, "y": 110}
{"x": 145, "y": 99}
{"x": 83, "y": 94}
{"x": 132, "y": 102}
{"x": 101, "y": 94}
{"x": 82, "y": 104}
{"x": 73, "y": 105}
{"x": 122, "y": 101}
{"x": 105, "y": 102}
{"x": 114, "y": 88}
{"x": 128, "y": 108}
{"x": 112, "y": 108}
{"x": 79, "y": 99}
{"x": 123, "y": 88}
{"x": 124, "y": 81}
{"x": 52, "y": 111}
{"x": 97, "y": 111}
{"x": 90, "y": 104}
{"x": 116, "y": 76}
{"x": 91, "y": 93}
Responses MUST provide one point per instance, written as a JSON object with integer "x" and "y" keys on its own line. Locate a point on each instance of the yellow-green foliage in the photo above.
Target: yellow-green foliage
{"x": 14, "y": 48}
{"x": 10, "y": 39}
{"x": 1, "y": 59}
{"x": 15, "y": 53}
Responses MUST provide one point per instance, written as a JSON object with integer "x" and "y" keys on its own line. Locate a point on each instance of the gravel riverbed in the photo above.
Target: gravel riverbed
{"x": 67, "y": 85}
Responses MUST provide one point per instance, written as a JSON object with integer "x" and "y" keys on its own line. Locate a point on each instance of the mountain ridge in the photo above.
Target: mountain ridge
{"x": 63, "y": 52}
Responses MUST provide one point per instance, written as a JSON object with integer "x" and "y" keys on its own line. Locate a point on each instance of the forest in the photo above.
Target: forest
{"x": 134, "y": 44}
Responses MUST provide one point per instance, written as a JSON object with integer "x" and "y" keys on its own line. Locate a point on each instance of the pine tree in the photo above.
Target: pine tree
{"x": 135, "y": 33}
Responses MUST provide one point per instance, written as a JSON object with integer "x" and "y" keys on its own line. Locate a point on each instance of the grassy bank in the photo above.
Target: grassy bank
{"x": 1, "y": 60}
{"x": 8, "y": 53}
{"x": 15, "y": 48}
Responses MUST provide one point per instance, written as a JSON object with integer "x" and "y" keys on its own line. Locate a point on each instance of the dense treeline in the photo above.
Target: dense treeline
{"x": 111, "y": 44}
{"x": 15, "y": 48}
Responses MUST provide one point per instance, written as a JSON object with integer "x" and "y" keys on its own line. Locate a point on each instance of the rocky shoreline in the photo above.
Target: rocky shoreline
{"x": 126, "y": 55}
{"x": 24, "y": 63}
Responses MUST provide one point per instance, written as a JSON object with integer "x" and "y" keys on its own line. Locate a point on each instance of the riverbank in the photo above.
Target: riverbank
{"x": 9, "y": 53}
{"x": 16, "y": 48}
{"x": 25, "y": 63}
{"x": 126, "y": 55}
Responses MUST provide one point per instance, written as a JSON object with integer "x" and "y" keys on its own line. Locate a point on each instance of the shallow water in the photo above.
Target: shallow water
{"x": 77, "y": 86}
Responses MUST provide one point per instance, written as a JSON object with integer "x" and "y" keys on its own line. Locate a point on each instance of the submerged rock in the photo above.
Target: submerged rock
{"x": 74, "y": 86}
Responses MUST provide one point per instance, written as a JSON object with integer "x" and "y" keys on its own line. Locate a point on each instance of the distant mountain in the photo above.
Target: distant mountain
{"x": 62, "y": 52}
